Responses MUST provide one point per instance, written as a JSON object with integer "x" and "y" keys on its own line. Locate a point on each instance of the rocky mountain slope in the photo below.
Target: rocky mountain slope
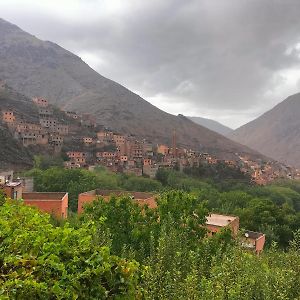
{"x": 276, "y": 133}
{"x": 12, "y": 152}
{"x": 212, "y": 125}
{"x": 42, "y": 68}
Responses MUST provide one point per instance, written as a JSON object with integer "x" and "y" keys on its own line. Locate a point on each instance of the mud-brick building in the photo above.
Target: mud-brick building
{"x": 45, "y": 112}
{"x": 55, "y": 204}
{"x": 8, "y": 116}
{"x": 24, "y": 127}
{"x": 253, "y": 241}
{"x": 104, "y": 136}
{"x": 140, "y": 198}
{"x": 215, "y": 222}
{"x": 72, "y": 114}
{"x": 30, "y": 137}
{"x": 119, "y": 139}
{"x": 41, "y": 102}
{"x": 56, "y": 139}
{"x": 77, "y": 157}
{"x": 150, "y": 170}
{"x": 136, "y": 149}
{"x": 88, "y": 141}
{"x": 62, "y": 129}
{"x": 50, "y": 124}
{"x": 163, "y": 149}
{"x": 12, "y": 189}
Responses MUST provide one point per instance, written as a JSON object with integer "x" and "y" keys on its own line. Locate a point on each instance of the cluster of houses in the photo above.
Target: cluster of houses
{"x": 47, "y": 132}
{"x": 126, "y": 154}
{"x": 99, "y": 146}
{"x": 265, "y": 172}
{"x": 56, "y": 204}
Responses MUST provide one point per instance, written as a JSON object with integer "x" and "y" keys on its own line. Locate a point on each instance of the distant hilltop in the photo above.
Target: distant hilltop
{"x": 276, "y": 133}
{"x": 56, "y": 74}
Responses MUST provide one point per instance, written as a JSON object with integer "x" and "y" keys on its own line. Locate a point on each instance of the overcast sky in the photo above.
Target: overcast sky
{"x": 229, "y": 60}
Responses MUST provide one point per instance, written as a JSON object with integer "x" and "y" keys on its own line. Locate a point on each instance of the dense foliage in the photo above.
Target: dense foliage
{"x": 119, "y": 250}
{"x": 77, "y": 181}
{"x": 218, "y": 172}
{"x": 177, "y": 261}
{"x": 273, "y": 209}
{"x": 40, "y": 261}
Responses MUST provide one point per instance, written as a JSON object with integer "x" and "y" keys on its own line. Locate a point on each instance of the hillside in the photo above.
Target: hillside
{"x": 38, "y": 68}
{"x": 212, "y": 125}
{"x": 12, "y": 153}
{"x": 276, "y": 133}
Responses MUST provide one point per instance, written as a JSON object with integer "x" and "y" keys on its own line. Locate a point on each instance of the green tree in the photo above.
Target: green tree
{"x": 40, "y": 261}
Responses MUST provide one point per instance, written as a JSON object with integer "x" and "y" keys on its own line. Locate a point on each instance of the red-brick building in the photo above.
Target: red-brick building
{"x": 139, "y": 197}
{"x": 52, "y": 203}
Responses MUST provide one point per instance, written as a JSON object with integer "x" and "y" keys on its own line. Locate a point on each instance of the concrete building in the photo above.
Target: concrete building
{"x": 12, "y": 190}
{"x": 55, "y": 204}
{"x": 254, "y": 241}
{"x": 215, "y": 222}
{"x": 138, "y": 197}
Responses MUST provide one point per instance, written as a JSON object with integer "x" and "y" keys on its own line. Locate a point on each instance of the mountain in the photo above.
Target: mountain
{"x": 42, "y": 68}
{"x": 212, "y": 125}
{"x": 276, "y": 133}
{"x": 12, "y": 152}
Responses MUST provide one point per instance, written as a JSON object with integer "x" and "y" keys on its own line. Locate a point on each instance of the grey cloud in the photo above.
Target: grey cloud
{"x": 212, "y": 55}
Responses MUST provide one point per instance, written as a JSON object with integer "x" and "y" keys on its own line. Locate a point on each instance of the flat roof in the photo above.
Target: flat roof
{"x": 12, "y": 184}
{"x": 136, "y": 195}
{"x": 219, "y": 220}
{"x": 253, "y": 234}
{"x": 51, "y": 196}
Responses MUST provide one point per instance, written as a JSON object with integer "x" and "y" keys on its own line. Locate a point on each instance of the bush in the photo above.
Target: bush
{"x": 39, "y": 261}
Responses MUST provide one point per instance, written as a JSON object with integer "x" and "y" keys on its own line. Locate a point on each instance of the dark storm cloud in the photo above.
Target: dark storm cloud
{"x": 223, "y": 59}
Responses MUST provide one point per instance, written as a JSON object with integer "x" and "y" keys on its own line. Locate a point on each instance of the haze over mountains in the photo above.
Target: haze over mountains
{"x": 37, "y": 68}
{"x": 276, "y": 133}
{"x": 212, "y": 125}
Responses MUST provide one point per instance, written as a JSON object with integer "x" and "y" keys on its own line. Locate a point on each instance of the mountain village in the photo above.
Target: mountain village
{"x": 86, "y": 144}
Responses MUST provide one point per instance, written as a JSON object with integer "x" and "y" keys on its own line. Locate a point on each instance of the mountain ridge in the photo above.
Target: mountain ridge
{"x": 37, "y": 68}
{"x": 276, "y": 133}
{"x": 212, "y": 125}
